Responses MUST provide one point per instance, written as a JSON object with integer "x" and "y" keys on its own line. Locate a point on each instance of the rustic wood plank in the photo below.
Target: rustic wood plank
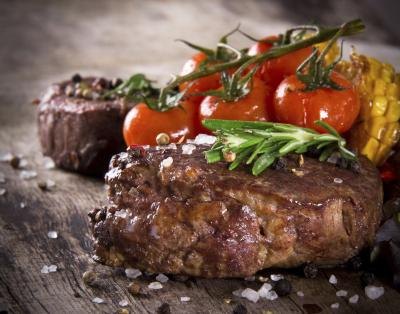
{"x": 45, "y": 41}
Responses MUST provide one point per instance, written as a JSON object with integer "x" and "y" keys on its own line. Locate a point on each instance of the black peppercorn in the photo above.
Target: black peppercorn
{"x": 280, "y": 164}
{"x": 76, "y": 78}
{"x": 164, "y": 309}
{"x": 15, "y": 161}
{"x": 367, "y": 278}
{"x": 283, "y": 287}
{"x": 355, "y": 263}
{"x": 310, "y": 270}
{"x": 115, "y": 82}
{"x": 239, "y": 309}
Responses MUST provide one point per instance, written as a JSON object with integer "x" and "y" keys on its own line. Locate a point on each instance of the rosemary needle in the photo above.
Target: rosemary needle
{"x": 261, "y": 143}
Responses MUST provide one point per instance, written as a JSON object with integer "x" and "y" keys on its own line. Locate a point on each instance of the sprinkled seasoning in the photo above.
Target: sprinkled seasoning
{"x": 333, "y": 280}
{"x": 167, "y": 162}
{"x": 374, "y": 292}
{"x": 250, "y": 295}
{"x": 335, "y": 305}
{"x": 338, "y": 180}
{"x": 155, "y": 285}
{"x": 162, "y": 139}
{"x": 123, "y": 303}
{"x": 52, "y": 234}
{"x": 276, "y": 277}
{"x": 185, "y": 299}
{"x": 187, "y": 149}
{"x": 48, "y": 269}
{"x": 27, "y": 174}
{"x": 341, "y": 293}
{"x": 132, "y": 273}
{"x": 98, "y": 300}
{"x": 354, "y": 299}
{"x": 162, "y": 278}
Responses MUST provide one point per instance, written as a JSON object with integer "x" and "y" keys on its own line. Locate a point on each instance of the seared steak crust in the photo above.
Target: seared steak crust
{"x": 201, "y": 219}
{"x": 80, "y": 134}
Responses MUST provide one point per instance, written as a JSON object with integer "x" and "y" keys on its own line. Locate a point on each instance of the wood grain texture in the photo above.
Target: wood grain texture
{"x": 45, "y": 41}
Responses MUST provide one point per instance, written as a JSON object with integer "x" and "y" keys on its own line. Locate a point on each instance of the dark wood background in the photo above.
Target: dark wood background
{"x": 43, "y": 41}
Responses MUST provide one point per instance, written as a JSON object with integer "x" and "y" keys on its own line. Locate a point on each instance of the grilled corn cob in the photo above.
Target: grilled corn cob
{"x": 377, "y": 129}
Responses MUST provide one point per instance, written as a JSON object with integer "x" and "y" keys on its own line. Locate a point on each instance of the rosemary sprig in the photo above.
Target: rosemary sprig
{"x": 261, "y": 143}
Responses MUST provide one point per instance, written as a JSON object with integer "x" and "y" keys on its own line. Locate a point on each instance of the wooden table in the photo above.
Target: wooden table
{"x": 45, "y": 41}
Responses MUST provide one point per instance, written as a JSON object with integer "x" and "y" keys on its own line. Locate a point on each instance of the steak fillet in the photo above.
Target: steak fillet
{"x": 79, "y": 134}
{"x": 203, "y": 220}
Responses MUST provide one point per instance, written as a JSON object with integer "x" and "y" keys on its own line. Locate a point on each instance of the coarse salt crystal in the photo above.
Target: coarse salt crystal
{"x": 50, "y": 184}
{"x": 162, "y": 278}
{"x": 354, "y": 299}
{"x": 52, "y": 268}
{"x": 27, "y": 174}
{"x": 132, "y": 273}
{"x": 98, "y": 300}
{"x": 341, "y": 293}
{"x": 238, "y": 292}
{"x": 338, "y": 180}
{"x": 374, "y": 292}
{"x": 276, "y": 277}
{"x": 6, "y": 157}
{"x": 123, "y": 303}
{"x": 22, "y": 205}
{"x": 271, "y": 295}
{"x": 2, "y": 178}
{"x": 335, "y": 305}
{"x": 185, "y": 299}
{"x": 48, "y": 163}
{"x": 263, "y": 291}
{"x": 333, "y": 280}
{"x": 171, "y": 146}
{"x": 155, "y": 285}
{"x": 187, "y": 149}
{"x": 23, "y": 163}
{"x": 52, "y": 234}
{"x": 121, "y": 213}
{"x": 48, "y": 269}
{"x": 204, "y": 139}
{"x": 250, "y": 295}
{"x": 167, "y": 162}
{"x": 2, "y": 191}
{"x": 300, "y": 294}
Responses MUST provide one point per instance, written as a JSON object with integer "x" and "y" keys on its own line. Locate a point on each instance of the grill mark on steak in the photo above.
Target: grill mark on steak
{"x": 201, "y": 219}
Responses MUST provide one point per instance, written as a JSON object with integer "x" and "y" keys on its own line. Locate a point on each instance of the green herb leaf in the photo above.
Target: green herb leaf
{"x": 260, "y": 143}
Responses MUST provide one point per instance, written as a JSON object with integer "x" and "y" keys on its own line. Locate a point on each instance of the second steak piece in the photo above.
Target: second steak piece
{"x": 77, "y": 129}
{"x": 173, "y": 213}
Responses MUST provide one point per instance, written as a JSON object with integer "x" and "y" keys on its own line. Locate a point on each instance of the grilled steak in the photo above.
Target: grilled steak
{"x": 201, "y": 219}
{"x": 81, "y": 133}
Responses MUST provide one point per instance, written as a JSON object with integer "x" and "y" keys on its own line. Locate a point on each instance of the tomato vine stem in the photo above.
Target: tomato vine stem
{"x": 321, "y": 34}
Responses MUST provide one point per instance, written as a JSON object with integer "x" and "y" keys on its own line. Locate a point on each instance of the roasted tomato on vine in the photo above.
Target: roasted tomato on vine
{"x": 273, "y": 71}
{"x": 142, "y": 124}
{"x": 251, "y": 107}
{"x": 338, "y": 107}
{"x": 202, "y": 84}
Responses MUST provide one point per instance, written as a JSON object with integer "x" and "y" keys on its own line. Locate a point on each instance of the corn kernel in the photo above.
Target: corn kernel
{"x": 379, "y": 106}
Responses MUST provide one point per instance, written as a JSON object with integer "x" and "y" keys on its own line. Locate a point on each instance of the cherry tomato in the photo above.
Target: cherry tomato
{"x": 251, "y": 107}
{"x": 199, "y": 85}
{"x": 339, "y": 108}
{"x": 273, "y": 71}
{"x": 388, "y": 173}
{"x": 142, "y": 125}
